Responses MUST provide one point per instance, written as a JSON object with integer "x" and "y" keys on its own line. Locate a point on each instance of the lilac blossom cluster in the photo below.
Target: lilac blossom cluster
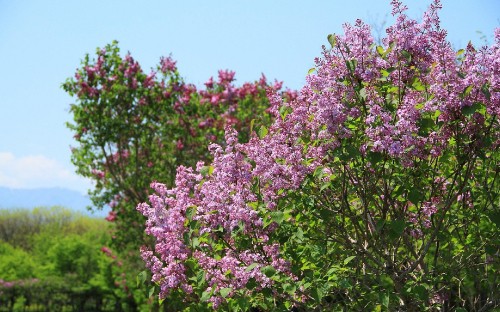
{"x": 422, "y": 66}
{"x": 381, "y": 95}
{"x": 223, "y": 203}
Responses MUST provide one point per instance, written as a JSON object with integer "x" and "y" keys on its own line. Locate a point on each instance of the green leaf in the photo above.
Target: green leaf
{"x": 467, "y": 90}
{"x": 398, "y": 190}
{"x": 384, "y": 299}
{"x": 406, "y": 55}
{"x": 251, "y": 284}
{"x": 375, "y": 157}
{"x": 380, "y": 51}
{"x": 251, "y": 267}
{"x": 390, "y": 69}
{"x": 486, "y": 91}
{"x": 332, "y": 39}
{"x": 344, "y": 283}
{"x": 190, "y": 212}
{"x": 268, "y": 271}
{"x": 415, "y": 196}
{"x": 437, "y": 113}
{"x": 348, "y": 259}
{"x": 351, "y": 65}
{"x": 425, "y": 124}
{"x": 385, "y": 74}
{"x": 200, "y": 277}
{"x": 205, "y": 296}
{"x": 225, "y": 291}
{"x": 397, "y": 228}
{"x": 290, "y": 288}
{"x": 325, "y": 186}
{"x": 417, "y": 85}
{"x": 332, "y": 276}
{"x": 193, "y": 225}
{"x": 476, "y": 107}
{"x": 284, "y": 111}
{"x": 252, "y": 123}
{"x": 141, "y": 278}
{"x": 299, "y": 234}
{"x": 205, "y": 171}
{"x": 151, "y": 291}
{"x": 277, "y": 216}
{"x": 317, "y": 294}
{"x": 262, "y": 131}
{"x": 362, "y": 93}
{"x": 191, "y": 263}
{"x": 386, "y": 281}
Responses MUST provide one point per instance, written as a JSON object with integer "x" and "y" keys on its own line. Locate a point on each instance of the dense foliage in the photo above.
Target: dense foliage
{"x": 54, "y": 260}
{"x": 376, "y": 189}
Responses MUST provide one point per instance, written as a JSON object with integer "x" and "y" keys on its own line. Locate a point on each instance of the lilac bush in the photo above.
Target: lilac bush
{"x": 376, "y": 188}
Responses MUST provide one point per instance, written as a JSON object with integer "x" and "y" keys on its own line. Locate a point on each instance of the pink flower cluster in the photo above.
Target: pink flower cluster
{"x": 222, "y": 203}
{"x": 429, "y": 86}
{"x": 101, "y": 77}
{"x": 166, "y": 222}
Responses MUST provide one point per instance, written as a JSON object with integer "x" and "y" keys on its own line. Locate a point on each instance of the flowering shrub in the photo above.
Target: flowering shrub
{"x": 133, "y": 127}
{"x": 376, "y": 188}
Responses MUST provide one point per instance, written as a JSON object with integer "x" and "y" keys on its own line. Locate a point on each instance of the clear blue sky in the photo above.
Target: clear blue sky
{"x": 42, "y": 43}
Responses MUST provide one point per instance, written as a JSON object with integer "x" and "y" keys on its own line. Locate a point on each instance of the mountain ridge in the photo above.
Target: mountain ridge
{"x": 13, "y": 198}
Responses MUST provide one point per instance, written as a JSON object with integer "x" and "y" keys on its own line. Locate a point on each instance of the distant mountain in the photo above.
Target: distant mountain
{"x": 46, "y": 197}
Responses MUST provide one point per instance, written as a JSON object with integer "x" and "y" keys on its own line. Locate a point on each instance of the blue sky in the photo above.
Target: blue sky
{"x": 42, "y": 43}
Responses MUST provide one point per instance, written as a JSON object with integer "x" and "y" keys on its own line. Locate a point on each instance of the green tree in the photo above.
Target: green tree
{"x": 62, "y": 262}
{"x": 15, "y": 263}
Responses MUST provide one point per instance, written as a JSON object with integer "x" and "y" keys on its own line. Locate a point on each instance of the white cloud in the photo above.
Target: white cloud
{"x": 36, "y": 171}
